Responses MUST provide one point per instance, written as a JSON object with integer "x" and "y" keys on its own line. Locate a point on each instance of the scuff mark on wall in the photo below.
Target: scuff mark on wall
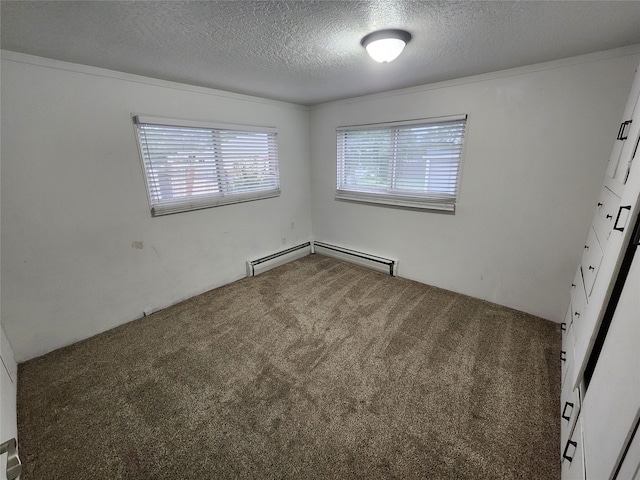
{"x": 137, "y": 245}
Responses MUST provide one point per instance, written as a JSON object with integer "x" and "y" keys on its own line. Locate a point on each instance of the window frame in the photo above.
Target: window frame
{"x": 223, "y": 196}
{"x": 387, "y": 194}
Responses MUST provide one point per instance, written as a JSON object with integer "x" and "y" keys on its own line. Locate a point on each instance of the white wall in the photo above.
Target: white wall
{"x": 73, "y": 197}
{"x": 74, "y": 201}
{"x": 538, "y": 142}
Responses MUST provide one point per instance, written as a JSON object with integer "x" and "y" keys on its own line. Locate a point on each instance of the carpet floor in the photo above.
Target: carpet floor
{"x": 317, "y": 369}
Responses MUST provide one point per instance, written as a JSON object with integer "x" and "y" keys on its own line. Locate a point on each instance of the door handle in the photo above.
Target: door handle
{"x": 14, "y": 465}
{"x": 566, "y": 448}
{"x": 615, "y": 225}
{"x": 621, "y": 131}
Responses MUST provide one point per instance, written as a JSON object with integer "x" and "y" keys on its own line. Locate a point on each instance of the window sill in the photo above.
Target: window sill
{"x": 179, "y": 207}
{"x": 396, "y": 201}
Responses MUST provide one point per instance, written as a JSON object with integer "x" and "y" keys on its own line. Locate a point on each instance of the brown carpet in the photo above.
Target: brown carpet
{"x": 317, "y": 369}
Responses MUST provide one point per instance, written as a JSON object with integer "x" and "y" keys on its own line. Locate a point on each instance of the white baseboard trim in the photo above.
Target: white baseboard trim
{"x": 262, "y": 264}
{"x": 380, "y": 264}
{"x": 374, "y": 262}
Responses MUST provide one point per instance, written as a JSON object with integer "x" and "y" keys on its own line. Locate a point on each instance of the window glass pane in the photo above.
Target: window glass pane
{"x": 246, "y": 159}
{"x": 365, "y": 159}
{"x": 195, "y": 167}
{"x": 416, "y": 163}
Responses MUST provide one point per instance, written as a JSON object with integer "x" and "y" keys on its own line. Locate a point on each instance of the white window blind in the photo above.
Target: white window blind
{"x": 413, "y": 164}
{"x": 193, "y": 165}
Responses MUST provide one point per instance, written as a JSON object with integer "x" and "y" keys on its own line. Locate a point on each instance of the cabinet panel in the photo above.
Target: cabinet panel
{"x": 564, "y": 326}
{"x": 578, "y": 297}
{"x": 628, "y": 149}
{"x": 612, "y": 402}
{"x": 8, "y": 384}
{"x": 625, "y": 142}
{"x": 604, "y": 217}
{"x": 591, "y": 258}
{"x": 630, "y": 468}
{"x": 569, "y": 410}
{"x": 573, "y": 455}
{"x": 567, "y": 356}
{"x": 609, "y": 410}
{"x": 578, "y": 304}
{"x": 608, "y": 271}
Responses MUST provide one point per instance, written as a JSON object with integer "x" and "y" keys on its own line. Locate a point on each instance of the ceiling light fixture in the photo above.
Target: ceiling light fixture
{"x": 385, "y": 45}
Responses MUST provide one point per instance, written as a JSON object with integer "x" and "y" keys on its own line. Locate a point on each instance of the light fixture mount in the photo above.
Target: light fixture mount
{"x": 385, "y": 45}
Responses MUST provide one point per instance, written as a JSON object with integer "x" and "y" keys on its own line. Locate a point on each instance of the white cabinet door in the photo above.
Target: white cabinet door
{"x": 564, "y": 326}
{"x": 7, "y": 412}
{"x": 567, "y": 358}
{"x": 569, "y": 410}
{"x": 578, "y": 304}
{"x": 630, "y": 468}
{"x": 607, "y": 271}
{"x": 8, "y": 377}
{"x": 572, "y": 466}
{"x": 626, "y": 141}
{"x": 591, "y": 258}
{"x": 612, "y": 402}
{"x": 605, "y": 214}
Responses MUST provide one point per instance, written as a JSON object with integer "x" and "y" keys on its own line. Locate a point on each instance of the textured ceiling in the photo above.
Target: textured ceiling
{"x": 309, "y": 52}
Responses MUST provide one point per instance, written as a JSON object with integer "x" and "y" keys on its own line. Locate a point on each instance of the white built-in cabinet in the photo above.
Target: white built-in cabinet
{"x": 8, "y": 383}
{"x": 600, "y": 396}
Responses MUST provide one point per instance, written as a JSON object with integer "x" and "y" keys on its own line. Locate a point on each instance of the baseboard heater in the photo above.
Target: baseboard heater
{"x": 260, "y": 265}
{"x": 381, "y": 264}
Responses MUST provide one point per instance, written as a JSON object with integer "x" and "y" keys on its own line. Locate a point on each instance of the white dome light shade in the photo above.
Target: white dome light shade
{"x": 385, "y": 45}
{"x": 386, "y": 49}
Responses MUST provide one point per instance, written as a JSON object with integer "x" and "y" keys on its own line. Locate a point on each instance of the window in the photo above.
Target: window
{"x": 411, "y": 164}
{"x": 193, "y": 165}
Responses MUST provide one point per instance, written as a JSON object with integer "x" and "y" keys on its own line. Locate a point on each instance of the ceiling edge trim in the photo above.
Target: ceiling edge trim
{"x": 8, "y": 55}
{"x": 629, "y": 50}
